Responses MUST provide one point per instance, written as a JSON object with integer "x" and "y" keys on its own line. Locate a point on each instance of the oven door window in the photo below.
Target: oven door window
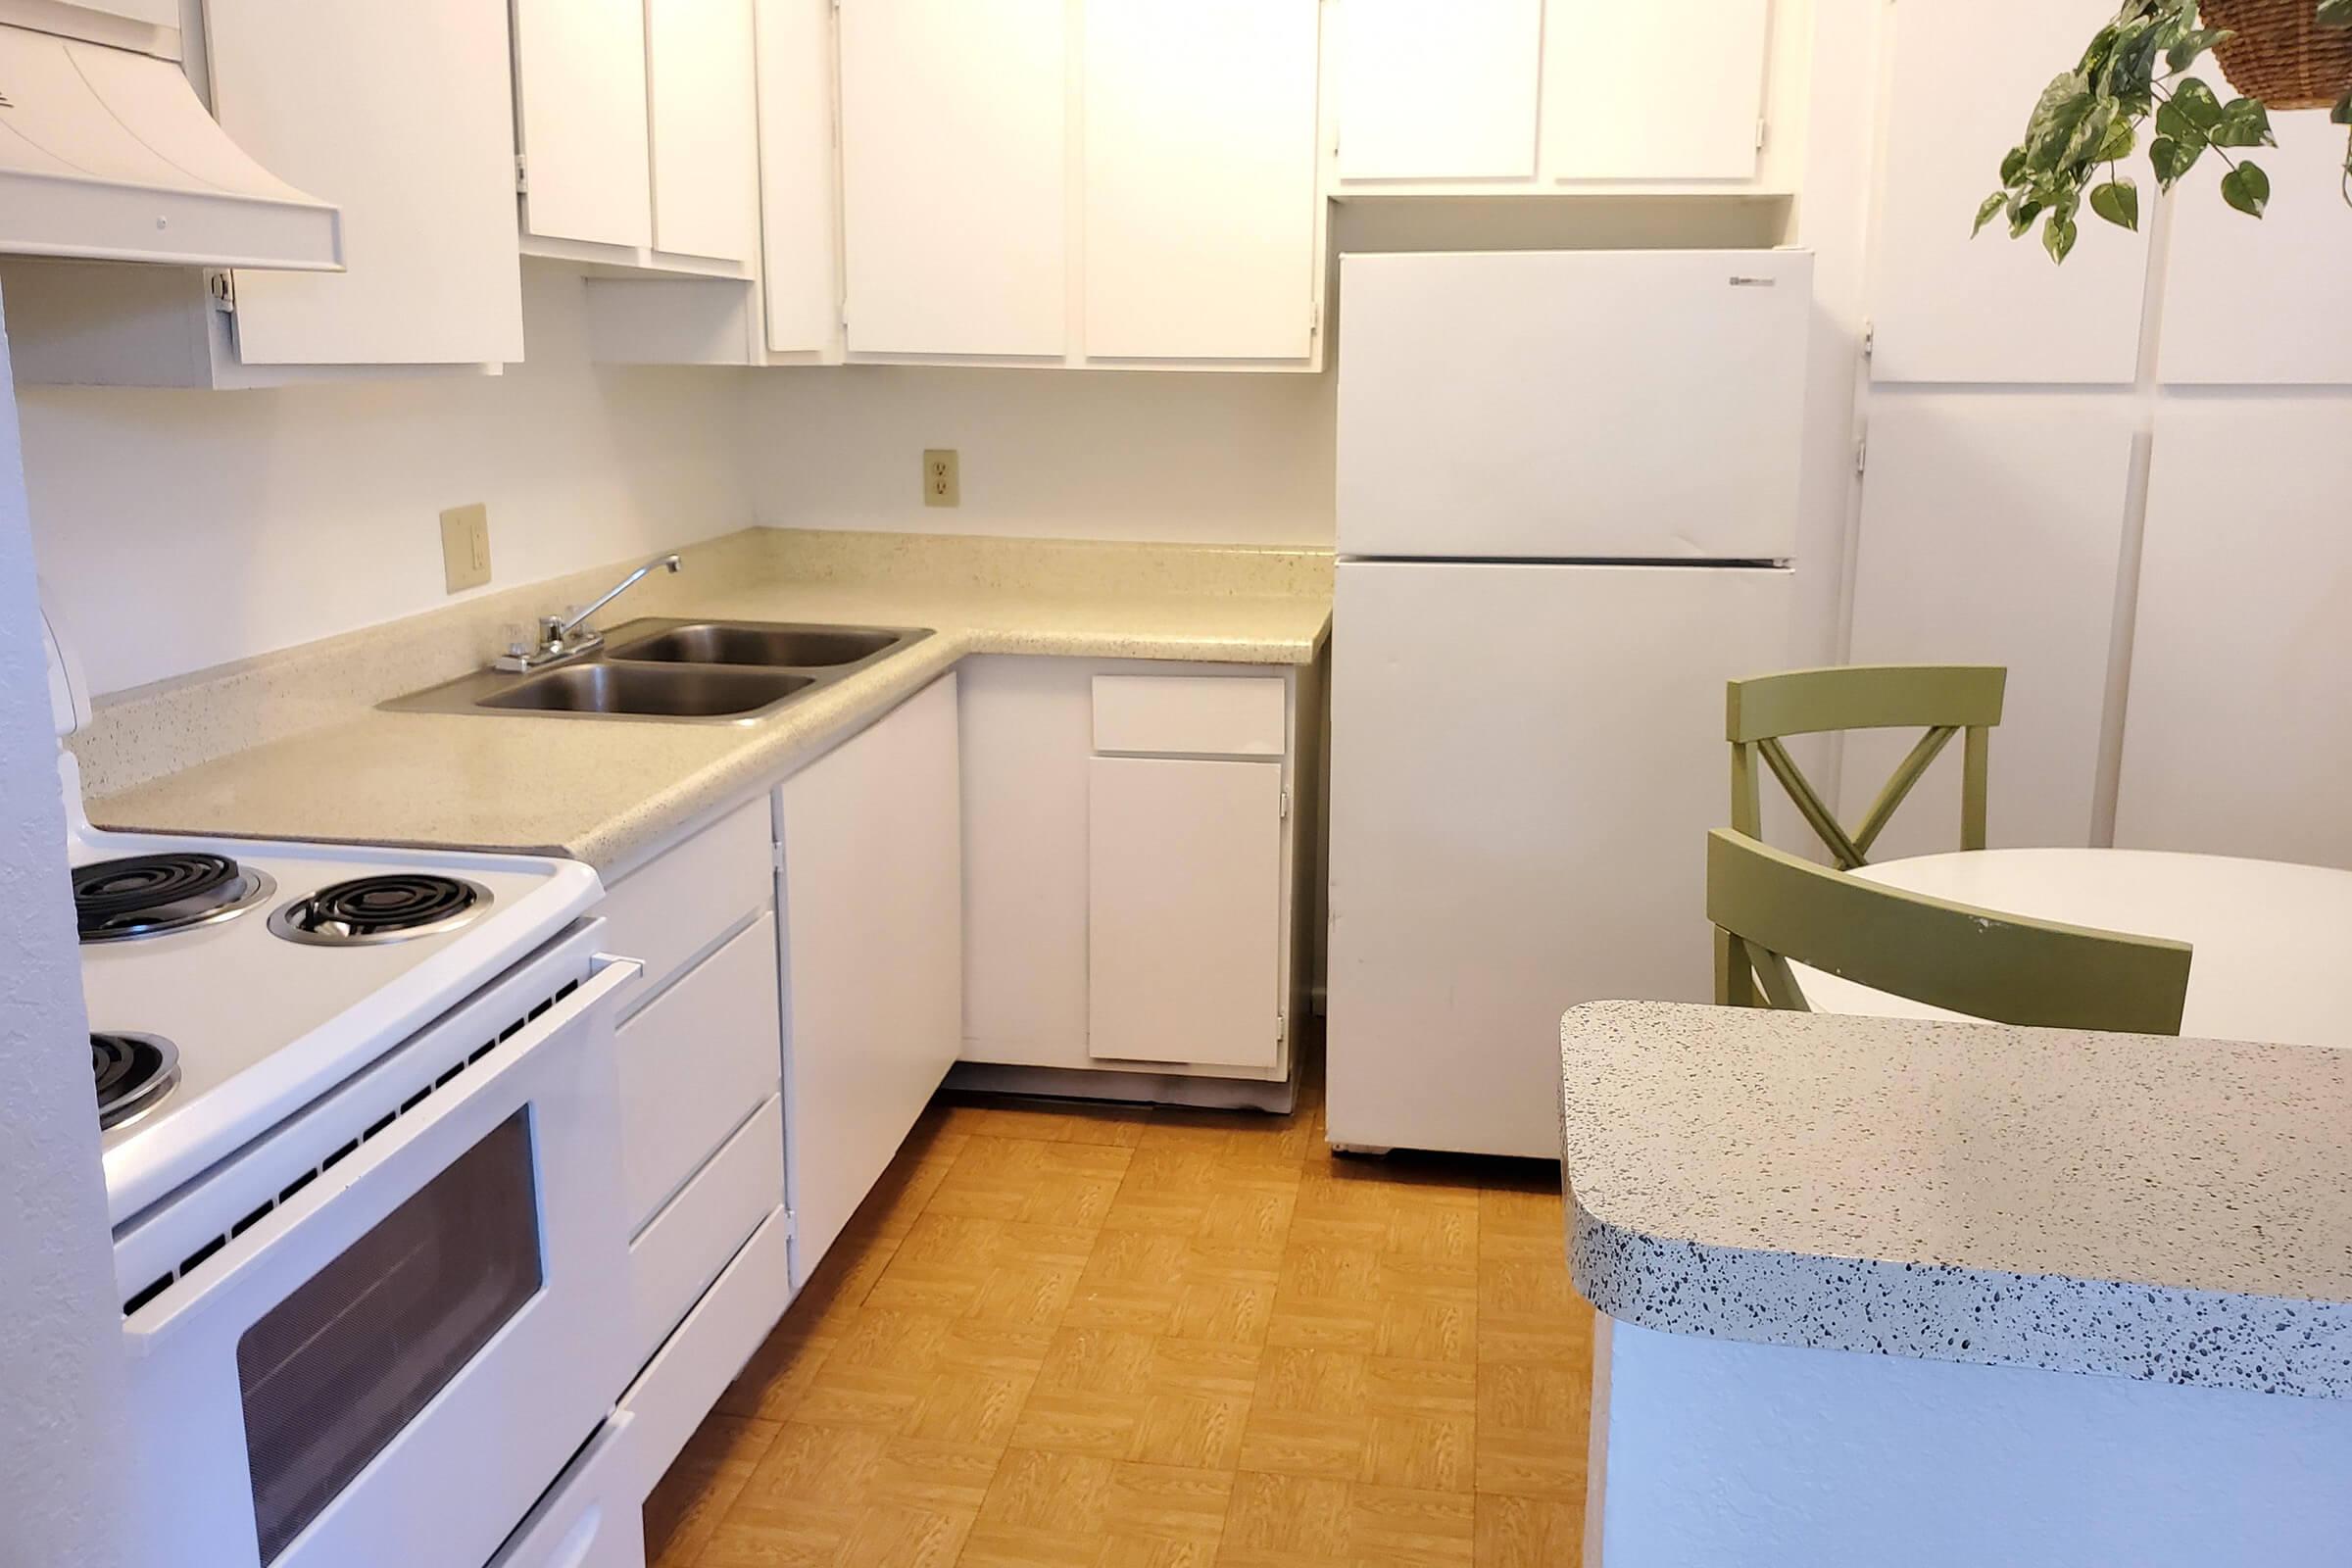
{"x": 337, "y": 1369}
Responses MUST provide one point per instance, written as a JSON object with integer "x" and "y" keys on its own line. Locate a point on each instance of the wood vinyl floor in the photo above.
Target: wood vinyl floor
{"x": 1119, "y": 1339}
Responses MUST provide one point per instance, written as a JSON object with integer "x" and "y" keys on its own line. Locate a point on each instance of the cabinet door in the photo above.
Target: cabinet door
{"x": 797, "y": 203}
{"x": 1184, "y": 921}
{"x": 403, "y": 117}
{"x": 1652, "y": 89}
{"x": 1439, "y": 92}
{"x": 1201, "y": 178}
{"x": 579, "y": 109}
{"x": 1951, "y": 309}
{"x": 953, "y": 175}
{"x": 705, "y": 133}
{"x": 874, "y": 910}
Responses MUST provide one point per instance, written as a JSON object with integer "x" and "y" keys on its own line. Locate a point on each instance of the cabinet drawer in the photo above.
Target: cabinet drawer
{"x": 1189, "y": 715}
{"x": 670, "y": 1398}
{"x": 592, "y": 1517}
{"x": 689, "y": 1242}
{"x": 695, "y": 1064}
{"x": 675, "y": 906}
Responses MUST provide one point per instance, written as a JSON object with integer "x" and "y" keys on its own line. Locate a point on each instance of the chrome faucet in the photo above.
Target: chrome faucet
{"x": 560, "y": 639}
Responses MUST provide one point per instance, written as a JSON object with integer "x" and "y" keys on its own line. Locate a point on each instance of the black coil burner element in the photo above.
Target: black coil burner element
{"x": 382, "y": 909}
{"x": 148, "y": 894}
{"x": 133, "y": 1072}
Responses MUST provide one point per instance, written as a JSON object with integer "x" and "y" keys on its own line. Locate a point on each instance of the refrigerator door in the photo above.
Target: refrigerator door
{"x": 1566, "y": 406}
{"x": 1525, "y": 762}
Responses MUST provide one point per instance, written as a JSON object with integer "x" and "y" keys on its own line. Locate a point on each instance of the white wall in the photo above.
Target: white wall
{"x": 59, "y": 1338}
{"x": 179, "y": 531}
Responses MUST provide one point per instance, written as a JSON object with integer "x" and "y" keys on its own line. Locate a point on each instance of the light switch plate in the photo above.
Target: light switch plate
{"x": 466, "y": 547}
{"x": 943, "y": 486}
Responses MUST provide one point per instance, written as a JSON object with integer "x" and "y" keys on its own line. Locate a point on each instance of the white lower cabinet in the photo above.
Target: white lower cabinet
{"x": 592, "y": 1517}
{"x": 871, "y": 890}
{"x": 1131, "y": 863}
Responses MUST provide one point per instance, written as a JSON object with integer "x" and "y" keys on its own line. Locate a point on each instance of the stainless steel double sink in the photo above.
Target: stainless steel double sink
{"x": 677, "y": 672}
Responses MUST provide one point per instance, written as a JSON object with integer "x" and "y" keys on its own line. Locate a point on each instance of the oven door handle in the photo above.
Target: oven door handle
{"x": 263, "y": 1250}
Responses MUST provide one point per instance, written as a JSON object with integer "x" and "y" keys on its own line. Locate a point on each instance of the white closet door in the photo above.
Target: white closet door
{"x": 953, "y": 175}
{"x": 1652, "y": 89}
{"x": 797, "y": 203}
{"x": 579, "y": 105}
{"x": 1990, "y": 531}
{"x": 1183, "y": 910}
{"x": 1201, "y": 178}
{"x": 1439, "y": 92}
{"x": 2238, "y": 739}
{"x": 705, "y": 127}
{"x": 2268, "y": 302}
{"x": 1951, "y": 309}
{"x": 403, "y": 117}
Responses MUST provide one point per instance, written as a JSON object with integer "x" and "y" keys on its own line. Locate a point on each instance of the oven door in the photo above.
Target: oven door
{"x": 394, "y": 1364}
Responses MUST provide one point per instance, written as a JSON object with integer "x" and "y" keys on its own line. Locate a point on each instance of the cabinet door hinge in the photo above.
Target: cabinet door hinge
{"x": 776, "y": 855}
{"x": 1763, "y": 134}
{"x": 1314, "y": 317}
{"x": 1870, "y": 339}
{"x": 1861, "y": 454}
{"x": 1282, "y": 1027}
{"x": 791, "y": 1226}
{"x": 222, "y": 286}
{"x": 1286, "y": 805}
{"x": 523, "y": 174}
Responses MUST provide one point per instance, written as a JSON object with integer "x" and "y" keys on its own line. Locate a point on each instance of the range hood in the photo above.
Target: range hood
{"x": 106, "y": 153}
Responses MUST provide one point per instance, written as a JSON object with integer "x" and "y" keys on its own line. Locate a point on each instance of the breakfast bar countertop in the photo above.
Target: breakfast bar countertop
{"x": 2167, "y": 1211}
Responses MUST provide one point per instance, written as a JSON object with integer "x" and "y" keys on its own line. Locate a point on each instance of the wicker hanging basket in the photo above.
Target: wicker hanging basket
{"x": 2280, "y": 54}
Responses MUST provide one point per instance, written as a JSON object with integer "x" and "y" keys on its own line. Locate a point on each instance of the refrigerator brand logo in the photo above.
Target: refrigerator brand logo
{"x": 1753, "y": 282}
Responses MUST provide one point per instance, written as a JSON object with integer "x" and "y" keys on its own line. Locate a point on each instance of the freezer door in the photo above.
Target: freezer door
{"x": 1551, "y": 406}
{"x": 1525, "y": 762}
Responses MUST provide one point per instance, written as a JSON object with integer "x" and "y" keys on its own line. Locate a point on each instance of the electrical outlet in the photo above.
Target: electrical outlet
{"x": 466, "y": 547}
{"x": 941, "y": 486}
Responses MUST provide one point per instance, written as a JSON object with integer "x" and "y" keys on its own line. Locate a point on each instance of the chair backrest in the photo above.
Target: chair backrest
{"x": 1769, "y": 907}
{"x": 1946, "y": 700}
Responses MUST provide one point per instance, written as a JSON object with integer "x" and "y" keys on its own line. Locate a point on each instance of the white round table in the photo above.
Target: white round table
{"x": 2272, "y": 941}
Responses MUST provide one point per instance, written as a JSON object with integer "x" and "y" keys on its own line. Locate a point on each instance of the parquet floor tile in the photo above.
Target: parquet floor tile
{"x": 1118, "y": 1338}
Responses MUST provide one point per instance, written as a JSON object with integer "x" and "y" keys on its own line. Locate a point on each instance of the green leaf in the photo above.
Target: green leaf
{"x": 2245, "y": 123}
{"x": 2342, "y": 114}
{"x": 2118, "y": 202}
{"x": 2058, "y": 237}
{"x": 2119, "y": 142}
{"x": 2183, "y": 53}
{"x": 2246, "y": 189}
{"x": 2172, "y": 159}
{"x": 2023, "y": 209}
{"x": 2173, "y": 121}
{"x": 2335, "y": 13}
{"x": 1985, "y": 214}
{"x": 2013, "y": 166}
{"x": 2196, "y": 101}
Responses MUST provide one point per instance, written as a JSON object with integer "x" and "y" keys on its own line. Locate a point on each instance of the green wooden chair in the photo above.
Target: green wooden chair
{"x": 1948, "y": 699}
{"x": 1772, "y": 909}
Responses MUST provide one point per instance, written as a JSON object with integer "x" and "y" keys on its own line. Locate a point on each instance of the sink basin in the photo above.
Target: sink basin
{"x": 745, "y": 642}
{"x": 646, "y": 692}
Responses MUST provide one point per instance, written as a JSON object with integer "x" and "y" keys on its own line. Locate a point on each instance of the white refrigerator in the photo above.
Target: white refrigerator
{"x": 1567, "y": 511}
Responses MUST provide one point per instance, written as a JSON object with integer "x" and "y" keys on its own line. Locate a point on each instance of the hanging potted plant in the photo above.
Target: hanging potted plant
{"x": 2134, "y": 79}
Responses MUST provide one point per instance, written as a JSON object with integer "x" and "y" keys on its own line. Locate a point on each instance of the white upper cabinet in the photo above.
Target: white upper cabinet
{"x": 579, "y": 113}
{"x": 954, "y": 175}
{"x": 1949, "y": 308}
{"x": 1199, "y": 200}
{"x": 1653, "y": 89}
{"x": 402, "y": 117}
{"x": 1438, "y": 91}
{"x": 2266, "y": 302}
{"x": 799, "y": 211}
{"x": 705, "y": 130}
{"x": 1448, "y": 99}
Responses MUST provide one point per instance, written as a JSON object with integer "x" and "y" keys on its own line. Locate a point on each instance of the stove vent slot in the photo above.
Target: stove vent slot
{"x": 410, "y": 1102}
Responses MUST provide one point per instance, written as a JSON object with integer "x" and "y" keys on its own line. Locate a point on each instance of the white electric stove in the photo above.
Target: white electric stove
{"x": 360, "y": 1145}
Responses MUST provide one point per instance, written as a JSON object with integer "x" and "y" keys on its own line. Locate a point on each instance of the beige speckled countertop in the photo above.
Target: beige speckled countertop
{"x": 292, "y": 746}
{"x": 2126, "y": 1206}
